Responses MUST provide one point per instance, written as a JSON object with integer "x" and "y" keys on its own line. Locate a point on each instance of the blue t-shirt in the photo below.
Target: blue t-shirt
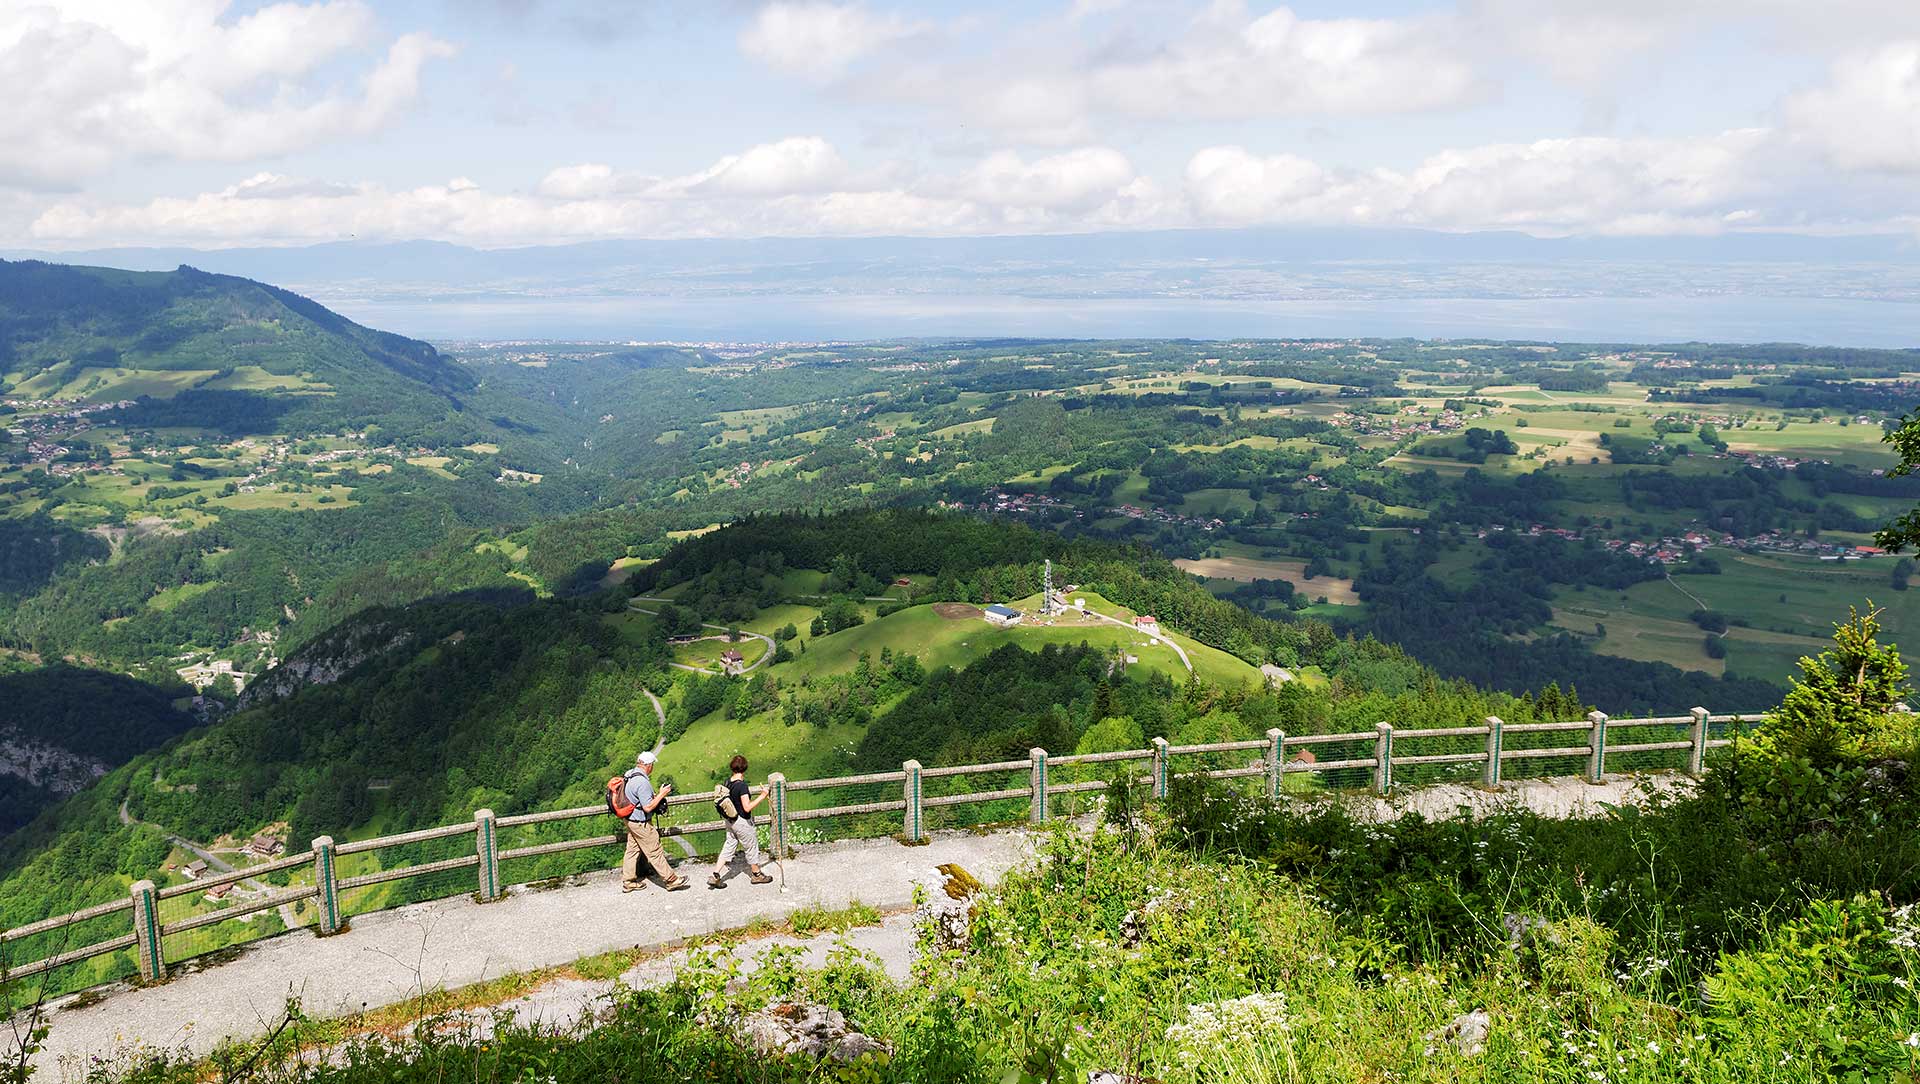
{"x": 640, "y": 793}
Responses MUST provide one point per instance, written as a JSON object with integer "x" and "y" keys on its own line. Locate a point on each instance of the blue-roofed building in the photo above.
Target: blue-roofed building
{"x": 1003, "y": 615}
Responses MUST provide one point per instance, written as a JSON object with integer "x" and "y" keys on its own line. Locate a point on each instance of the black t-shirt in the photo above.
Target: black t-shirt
{"x": 740, "y": 790}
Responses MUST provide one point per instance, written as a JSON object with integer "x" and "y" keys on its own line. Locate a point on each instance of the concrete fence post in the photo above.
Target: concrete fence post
{"x": 1490, "y": 775}
{"x": 486, "y": 845}
{"x": 1596, "y": 746}
{"x": 1697, "y": 756}
{"x": 915, "y": 829}
{"x": 1276, "y": 762}
{"x": 1038, "y": 815}
{"x": 1383, "y": 759}
{"x": 146, "y": 931}
{"x": 1159, "y": 767}
{"x": 328, "y": 885}
{"x": 777, "y": 824}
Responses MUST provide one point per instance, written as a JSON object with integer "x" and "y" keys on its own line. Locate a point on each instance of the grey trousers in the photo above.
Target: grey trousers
{"x": 741, "y": 836}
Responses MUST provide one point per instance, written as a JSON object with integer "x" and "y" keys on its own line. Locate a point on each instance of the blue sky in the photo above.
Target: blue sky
{"x": 506, "y": 122}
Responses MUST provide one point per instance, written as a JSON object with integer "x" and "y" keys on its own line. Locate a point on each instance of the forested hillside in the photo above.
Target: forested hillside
{"x": 86, "y": 330}
{"x": 412, "y": 716}
{"x": 59, "y": 725}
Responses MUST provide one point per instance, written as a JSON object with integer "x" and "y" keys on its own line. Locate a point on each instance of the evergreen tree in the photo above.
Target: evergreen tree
{"x": 1905, "y": 438}
{"x": 1842, "y": 692}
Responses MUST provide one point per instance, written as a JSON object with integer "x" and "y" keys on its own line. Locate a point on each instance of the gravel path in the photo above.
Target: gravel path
{"x": 392, "y": 956}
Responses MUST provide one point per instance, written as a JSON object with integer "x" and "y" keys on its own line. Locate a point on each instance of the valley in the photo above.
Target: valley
{"x": 363, "y": 585}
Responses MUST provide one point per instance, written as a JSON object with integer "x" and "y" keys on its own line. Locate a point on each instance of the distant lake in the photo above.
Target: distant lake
{"x": 762, "y": 318}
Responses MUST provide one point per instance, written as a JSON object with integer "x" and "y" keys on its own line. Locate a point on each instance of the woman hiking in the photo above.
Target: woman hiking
{"x": 736, "y": 802}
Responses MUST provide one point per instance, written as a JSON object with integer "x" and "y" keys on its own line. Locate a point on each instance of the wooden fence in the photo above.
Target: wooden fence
{"x": 1270, "y": 760}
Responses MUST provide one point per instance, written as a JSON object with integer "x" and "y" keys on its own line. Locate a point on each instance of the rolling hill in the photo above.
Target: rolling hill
{"x": 217, "y": 350}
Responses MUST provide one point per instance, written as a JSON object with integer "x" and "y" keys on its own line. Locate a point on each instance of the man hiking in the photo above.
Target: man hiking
{"x": 736, "y": 805}
{"x": 643, "y": 839}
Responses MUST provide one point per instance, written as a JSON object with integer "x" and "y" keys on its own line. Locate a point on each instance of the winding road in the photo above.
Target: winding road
{"x": 1154, "y": 636}
{"x": 747, "y": 669}
{"x": 213, "y": 860}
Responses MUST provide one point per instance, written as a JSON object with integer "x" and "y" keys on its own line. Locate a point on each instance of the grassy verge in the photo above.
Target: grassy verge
{"x": 1112, "y": 954}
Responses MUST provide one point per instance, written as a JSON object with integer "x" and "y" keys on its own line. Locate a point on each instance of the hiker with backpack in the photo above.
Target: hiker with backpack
{"x": 632, "y": 798}
{"x": 735, "y": 800}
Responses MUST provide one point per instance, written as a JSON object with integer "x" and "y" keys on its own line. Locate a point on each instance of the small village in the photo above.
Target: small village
{"x": 1676, "y": 549}
{"x": 1399, "y": 426}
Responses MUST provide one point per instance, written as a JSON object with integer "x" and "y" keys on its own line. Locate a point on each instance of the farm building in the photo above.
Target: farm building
{"x": 732, "y": 661}
{"x": 1002, "y": 615}
{"x": 1148, "y": 624}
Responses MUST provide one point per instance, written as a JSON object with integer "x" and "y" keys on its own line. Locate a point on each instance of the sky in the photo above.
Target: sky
{"x": 498, "y": 123}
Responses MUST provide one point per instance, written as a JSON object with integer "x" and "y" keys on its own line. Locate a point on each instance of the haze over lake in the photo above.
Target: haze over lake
{"x": 761, "y": 318}
{"x": 1831, "y": 291}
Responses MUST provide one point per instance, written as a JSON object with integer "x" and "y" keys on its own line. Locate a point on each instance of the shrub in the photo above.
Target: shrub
{"x": 1841, "y": 693}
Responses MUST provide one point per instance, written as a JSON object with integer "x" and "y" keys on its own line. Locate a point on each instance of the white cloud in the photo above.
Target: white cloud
{"x": 280, "y": 186}
{"x": 1550, "y": 187}
{"x": 1232, "y": 64}
{"x": 89, "y": 85}
{"x": 817, "y": 39}
{"x": 802, "y": 164}
{"x": 589, "y": 180}
{"x": 1867, "y": 116}
{"x": 1065, "y": 84}
{"x": 792, "y": 187}
{"x": 1076, "y": 180}
{"x": 1597, "y": 44}
{"x": 1234, "y": 186}
{"x": 1580, "y": 41}
{"x": 1750, "y": 179}
{"x": 796, "y": 165}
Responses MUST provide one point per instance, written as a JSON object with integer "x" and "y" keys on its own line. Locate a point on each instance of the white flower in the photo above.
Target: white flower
{"x": 1241, "y": 1021}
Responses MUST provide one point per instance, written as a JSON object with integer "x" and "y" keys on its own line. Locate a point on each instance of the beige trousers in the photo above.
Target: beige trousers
{"x": 643, "y": 841}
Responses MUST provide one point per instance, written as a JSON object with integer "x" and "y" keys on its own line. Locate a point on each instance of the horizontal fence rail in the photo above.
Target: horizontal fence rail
{"x": 1421, "y": 756}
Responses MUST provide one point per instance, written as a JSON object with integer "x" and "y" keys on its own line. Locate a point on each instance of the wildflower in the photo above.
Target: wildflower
{"x": 1244, "y": 1021}
{"x": 1912, "y": 1040}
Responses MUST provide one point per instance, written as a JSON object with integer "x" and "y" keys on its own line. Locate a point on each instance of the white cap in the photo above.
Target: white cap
{"x": 644, "y": 758}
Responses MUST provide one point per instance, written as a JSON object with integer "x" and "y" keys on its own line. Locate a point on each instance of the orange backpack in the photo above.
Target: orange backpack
{"x": 617, "y": 802}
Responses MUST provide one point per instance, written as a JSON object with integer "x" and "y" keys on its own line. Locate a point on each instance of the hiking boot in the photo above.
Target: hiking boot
{"x": 678, "y": 883}
{"x": 632, "y": 888}
{"x": 714, "y": 881}
{"x": 759, "y": 878}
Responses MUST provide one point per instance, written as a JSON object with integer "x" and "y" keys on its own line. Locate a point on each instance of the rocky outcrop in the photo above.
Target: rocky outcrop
{"x": 46, "y": 765}
{"x": 1466, "y": 1034}
{"x": 324, "y": 662}
{"x": 808, "y": 1031}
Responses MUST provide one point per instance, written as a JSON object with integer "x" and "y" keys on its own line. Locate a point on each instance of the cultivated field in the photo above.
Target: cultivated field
{"x": 1248, "y": 569}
